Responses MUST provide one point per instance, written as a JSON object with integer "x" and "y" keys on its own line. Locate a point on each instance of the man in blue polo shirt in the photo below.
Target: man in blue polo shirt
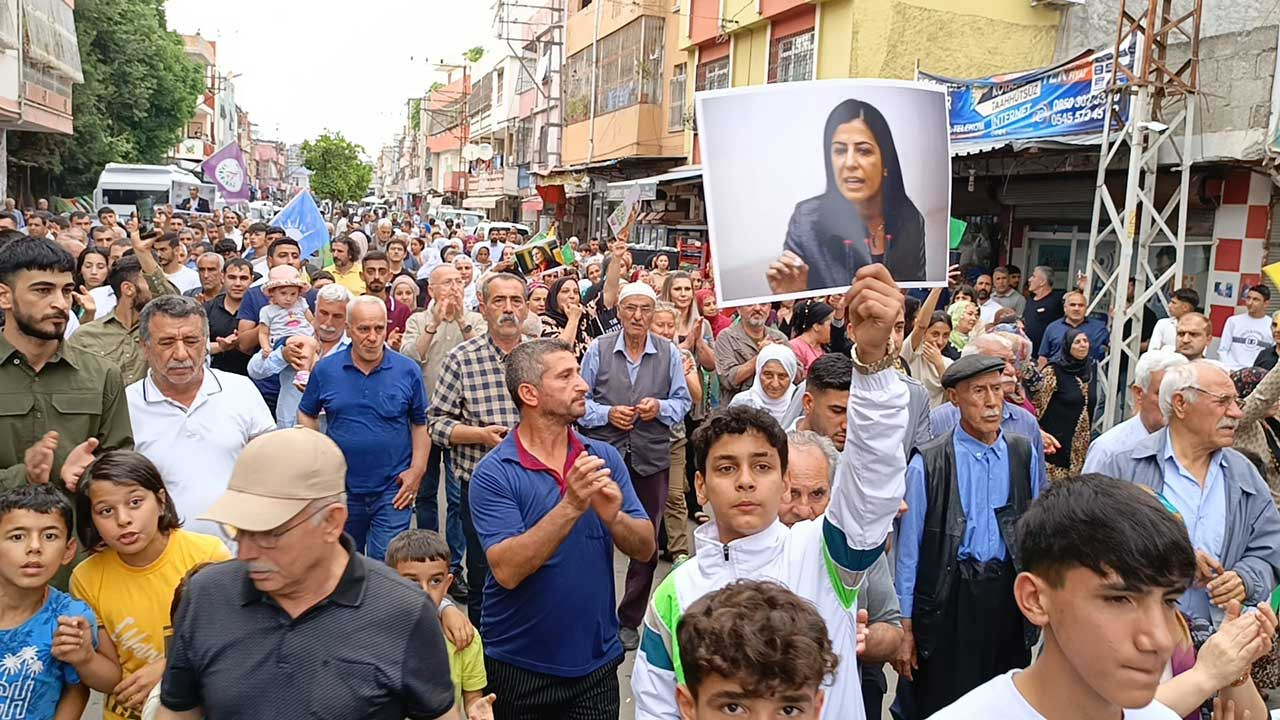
{"x": 376, "y": 410}
{"x": 1074, "y": 307}
{"x": 549, "y": 506}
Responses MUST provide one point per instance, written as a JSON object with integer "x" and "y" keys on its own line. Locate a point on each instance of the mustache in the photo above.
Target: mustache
{"x": 327, "y": 328}
{"x": 1228, "y": 424}
{"x": 261, "y": 566}
{"x": 507, "y": 319}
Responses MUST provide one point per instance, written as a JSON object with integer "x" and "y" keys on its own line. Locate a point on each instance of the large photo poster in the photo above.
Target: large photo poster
{"x": 807, "y": 182}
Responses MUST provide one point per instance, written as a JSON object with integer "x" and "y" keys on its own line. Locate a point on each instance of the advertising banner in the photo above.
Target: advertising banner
{"x": 1067, "y": 99}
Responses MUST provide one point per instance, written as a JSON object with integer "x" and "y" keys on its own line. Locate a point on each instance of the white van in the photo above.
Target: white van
{"x": 466, "y": 219}
{"x": 121, "y": 186}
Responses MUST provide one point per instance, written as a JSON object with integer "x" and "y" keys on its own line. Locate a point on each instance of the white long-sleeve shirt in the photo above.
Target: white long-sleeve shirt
{"x": 820, "y": 560}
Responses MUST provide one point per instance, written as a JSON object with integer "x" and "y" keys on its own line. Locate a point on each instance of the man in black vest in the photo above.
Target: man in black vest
{"x": 966, "y": 490}
{"x": 637, "y": 393}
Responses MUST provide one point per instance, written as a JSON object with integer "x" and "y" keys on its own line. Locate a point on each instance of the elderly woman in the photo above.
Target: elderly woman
{"x": 964, "y": 320}
{"x": 1065, "y": 398}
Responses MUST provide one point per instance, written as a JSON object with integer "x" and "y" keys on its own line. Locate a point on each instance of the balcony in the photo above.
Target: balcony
{"x": 495, "y": 182}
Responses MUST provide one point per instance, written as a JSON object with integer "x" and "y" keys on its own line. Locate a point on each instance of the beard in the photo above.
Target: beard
{"x": 30, "y": 327}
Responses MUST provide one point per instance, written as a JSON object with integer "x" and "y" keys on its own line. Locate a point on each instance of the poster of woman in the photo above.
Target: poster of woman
{"x": 854, "y": 172}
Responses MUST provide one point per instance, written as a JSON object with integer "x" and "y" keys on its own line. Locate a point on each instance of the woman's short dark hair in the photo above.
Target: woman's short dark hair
{"x": 939, "y": 316}
{"x": 1107, "y": 526}
{"x": 121, "y": 467}
{"x": 738, "y": 420}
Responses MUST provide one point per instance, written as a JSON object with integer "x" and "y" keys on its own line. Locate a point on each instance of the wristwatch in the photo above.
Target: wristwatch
{"x": 889, "y": 360}
{"x": 467, "y": 328}
{"x": 430, "y": 329}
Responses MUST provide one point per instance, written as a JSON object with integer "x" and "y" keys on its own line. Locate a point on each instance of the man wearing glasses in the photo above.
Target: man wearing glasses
{"x": 638, "y": 392}
{"x": 271, "y": 634}
{"x": 1225, "y": 503}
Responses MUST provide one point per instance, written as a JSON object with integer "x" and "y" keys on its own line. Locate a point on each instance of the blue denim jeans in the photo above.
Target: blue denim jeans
{"x": 428, "y": 505}
{"x": 372, "y": 521}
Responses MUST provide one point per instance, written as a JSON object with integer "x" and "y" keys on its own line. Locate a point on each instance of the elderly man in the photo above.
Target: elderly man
{"x": 271, "y": 634}
{"x": 637, "y": 392}
{"x": 189, "y": 420}
{"x": 284, "y": 363}
{"x": 1193, "y": 335}
{"x": 737, "y": 346}
{"x": 1121, "y": 439}
{"x": 115, "y": 336}
{"x": 550, "y": 505}
{"x": 471, "y": 411}
{"x": 1225, "y": 502}
{"x": 1015, "y": 418}
{"x": 428, "y": 338}
{"x": 812, "y": 460}
{"x": 1074, "y": 306}
{"x": 961, "y": 626}
{"x": 61, "y": 403}
{"x": 376, "y": 410}
{"x": 209, "y": 268}
{"x": 193, "y": 202}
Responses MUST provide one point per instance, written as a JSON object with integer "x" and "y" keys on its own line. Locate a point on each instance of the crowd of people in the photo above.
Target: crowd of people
{"x": 220, "y": 462}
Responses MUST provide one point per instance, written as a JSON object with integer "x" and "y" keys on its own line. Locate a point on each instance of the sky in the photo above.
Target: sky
{"x": 347, "y": 65}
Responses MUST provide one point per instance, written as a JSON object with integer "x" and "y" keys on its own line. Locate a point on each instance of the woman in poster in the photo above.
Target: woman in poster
{"x": 863, "y": 217}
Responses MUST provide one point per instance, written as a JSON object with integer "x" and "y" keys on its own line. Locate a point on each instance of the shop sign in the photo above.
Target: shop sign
{"x": 1067, "y": 99}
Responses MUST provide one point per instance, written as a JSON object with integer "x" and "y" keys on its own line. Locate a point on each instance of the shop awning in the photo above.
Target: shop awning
{"x": 683, "y": 173}
{"x": 1066, "y": 141}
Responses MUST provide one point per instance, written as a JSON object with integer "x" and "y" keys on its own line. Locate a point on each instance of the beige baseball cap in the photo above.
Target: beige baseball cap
{"x": 275, "y": 477}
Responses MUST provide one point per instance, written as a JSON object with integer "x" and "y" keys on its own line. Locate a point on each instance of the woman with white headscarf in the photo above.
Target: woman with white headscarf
{"x": 775, "y": 381}
{"x": 467, "y": 268}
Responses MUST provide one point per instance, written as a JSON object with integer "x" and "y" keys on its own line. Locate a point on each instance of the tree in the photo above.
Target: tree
{"x": 340, "y": 175}
{"x": 139, "y": 91}
{"x": 473, "y": 55}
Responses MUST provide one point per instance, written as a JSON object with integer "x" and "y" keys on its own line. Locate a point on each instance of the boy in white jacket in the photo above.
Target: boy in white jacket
{"x": 742, "y": 458}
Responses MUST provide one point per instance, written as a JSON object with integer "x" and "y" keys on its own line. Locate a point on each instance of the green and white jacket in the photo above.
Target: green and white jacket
{"x": 821, "y": 560}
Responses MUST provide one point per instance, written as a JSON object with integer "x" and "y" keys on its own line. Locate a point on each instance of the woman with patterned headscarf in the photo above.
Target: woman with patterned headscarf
{"x": 1259, "y": 429}
{"x": 964, "y": 318}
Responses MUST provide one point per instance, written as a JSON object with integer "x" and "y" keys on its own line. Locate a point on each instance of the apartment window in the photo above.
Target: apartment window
{"x": 628, "y": 70}
{"x": 791, "y": 58}
{"x": 713, "y": 75}
{"x": 498, "y": 79}
{"x": 679, "y": 77}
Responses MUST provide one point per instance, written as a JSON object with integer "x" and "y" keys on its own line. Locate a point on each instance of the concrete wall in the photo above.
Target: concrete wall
{"x": 1094, "y": 24}
{"x": 884, "y": 38}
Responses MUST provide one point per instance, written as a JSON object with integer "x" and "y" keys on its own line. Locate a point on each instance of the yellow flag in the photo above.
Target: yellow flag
{"x": 1273, "y": 273}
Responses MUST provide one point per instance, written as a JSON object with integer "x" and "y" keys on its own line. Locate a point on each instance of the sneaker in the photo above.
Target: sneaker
{"x": 301, "y": 378}
{"x": 629, "y": 638}
{"x": 459, "y": 591}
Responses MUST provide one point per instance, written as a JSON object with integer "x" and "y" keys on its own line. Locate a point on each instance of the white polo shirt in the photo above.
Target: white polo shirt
{"x": 196, "y": 448}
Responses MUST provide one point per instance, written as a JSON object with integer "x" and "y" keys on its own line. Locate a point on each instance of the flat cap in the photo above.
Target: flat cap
{"x": 970, "y": 366}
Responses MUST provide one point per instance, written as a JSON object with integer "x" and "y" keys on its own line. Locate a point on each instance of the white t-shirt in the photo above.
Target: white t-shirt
{"x": 987, "y": 311}
{"x": 998, "y": 698}
{"x": 185, "y": 279}
{"x": 1165, "y": 335}
{"x": 1243, "y": 337}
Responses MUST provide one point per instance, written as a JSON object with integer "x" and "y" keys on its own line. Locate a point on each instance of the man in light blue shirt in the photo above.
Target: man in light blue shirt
{"x": 331, "y": 336}
{"x": 965, "y": 491}
{"x": 1121, "y": 439}
{"x": 638, "y": 392}
{"x": 1224, "y": 502}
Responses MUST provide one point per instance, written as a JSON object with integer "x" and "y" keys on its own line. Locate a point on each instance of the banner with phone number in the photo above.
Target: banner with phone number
{"x": 1066, "y": 99}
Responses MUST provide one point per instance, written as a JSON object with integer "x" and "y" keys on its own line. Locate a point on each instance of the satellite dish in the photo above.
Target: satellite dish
{"x": 470, "y": 152}
{"x": 485, "y": 151}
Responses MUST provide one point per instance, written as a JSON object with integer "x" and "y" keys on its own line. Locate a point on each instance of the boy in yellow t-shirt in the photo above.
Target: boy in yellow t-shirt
{"x": 422, "y": 557}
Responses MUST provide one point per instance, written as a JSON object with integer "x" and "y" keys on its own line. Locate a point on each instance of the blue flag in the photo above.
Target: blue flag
{"x": 302, "y": 221}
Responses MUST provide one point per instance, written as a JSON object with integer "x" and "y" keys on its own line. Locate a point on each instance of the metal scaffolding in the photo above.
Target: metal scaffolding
{"x": 1127, "y": 242}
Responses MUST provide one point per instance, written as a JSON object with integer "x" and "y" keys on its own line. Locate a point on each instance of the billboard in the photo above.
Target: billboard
{"x": 1066, "y": 99}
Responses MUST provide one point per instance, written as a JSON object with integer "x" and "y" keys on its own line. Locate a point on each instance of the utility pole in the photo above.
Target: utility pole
{"x": 1160, "y": 126}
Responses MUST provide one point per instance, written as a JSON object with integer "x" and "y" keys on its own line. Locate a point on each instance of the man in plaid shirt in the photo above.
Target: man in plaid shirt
{"x": 471, "y": 409}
